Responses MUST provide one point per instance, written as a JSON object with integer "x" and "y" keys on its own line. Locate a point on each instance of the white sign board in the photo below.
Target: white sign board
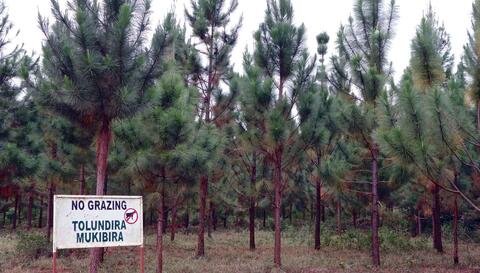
{"x": 82, "y": 221}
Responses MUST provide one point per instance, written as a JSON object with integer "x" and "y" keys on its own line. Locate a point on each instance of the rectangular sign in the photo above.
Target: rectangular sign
{"x": 85, "y": 221}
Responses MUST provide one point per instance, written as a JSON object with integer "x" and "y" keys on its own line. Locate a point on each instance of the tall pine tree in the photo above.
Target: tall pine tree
{"x": 364, "y": 42}
{"x": 98, "y": 68}
{"x": 212, "y": 28}
{"x": 280, "y": 52}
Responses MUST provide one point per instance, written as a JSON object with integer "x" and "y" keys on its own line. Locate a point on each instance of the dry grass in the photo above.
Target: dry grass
{"x": 228, "y": 252}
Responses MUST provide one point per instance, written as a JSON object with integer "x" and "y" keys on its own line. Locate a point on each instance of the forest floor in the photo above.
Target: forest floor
{"x": 227, "y": 252}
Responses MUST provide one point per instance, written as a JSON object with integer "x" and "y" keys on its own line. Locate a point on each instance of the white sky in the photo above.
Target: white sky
{"x": 318, "y": 16}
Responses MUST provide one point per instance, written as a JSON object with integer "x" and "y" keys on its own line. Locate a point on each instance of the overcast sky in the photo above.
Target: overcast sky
{"x": 317, "y": 15}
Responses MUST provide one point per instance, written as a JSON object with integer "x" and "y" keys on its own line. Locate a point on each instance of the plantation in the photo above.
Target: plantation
{"x": 303, "y": 160}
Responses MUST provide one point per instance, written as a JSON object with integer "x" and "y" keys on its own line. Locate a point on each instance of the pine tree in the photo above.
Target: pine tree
{"x": 420, "y": 131}
{"x": 364, "y": 42}
{"x": 165, "y": 130}
{"x": 210, "y": 20}
{"x": 280, "y": 52}
{"x": 472, "y": 59}
{"x": 430, "y": 63}
{"x": 17, "y": 148}
{"x": 255, "y": 99}
{"x": 97, "y": 68}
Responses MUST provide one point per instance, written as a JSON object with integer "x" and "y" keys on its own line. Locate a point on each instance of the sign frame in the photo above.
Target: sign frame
{"x": 96, "y": 197}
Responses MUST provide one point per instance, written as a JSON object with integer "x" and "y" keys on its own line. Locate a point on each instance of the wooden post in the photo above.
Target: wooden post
{"x": 142, "y": 259}
{"x": 54, "y": 261}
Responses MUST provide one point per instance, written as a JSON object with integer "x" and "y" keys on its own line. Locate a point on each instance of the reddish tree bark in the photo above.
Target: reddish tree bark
{"x": 264, "y": 218}
{"x": 103, "y": 142}
{"x": 174, "y": 223}
{"x": 31, "y": 195}
{"x": 201, "y": 220}
{"x": 419, "y": 231}
{"x": 82, "y": 179}
{"x": 214, "y": 216}
{"x": 436, "y": 224}
{"x": 19, "y": 212}
{"x": 375, "y": 215}
{"x": 251, "y": 224}
{"x": 277, "y": 205}
{"x": 318, "y": 207}
{"x": 165, "y": 217}
{"x": 455, "y": 231}
{"x": 51, "y": 192}
{"x": 40, "y": 213}
{"x": 187, "y": 220}
{"x": 160, "y": 229}
{"x": 209, "y": 221}
{"x": 251, "y": 210}
{"x": 15, "y": 211}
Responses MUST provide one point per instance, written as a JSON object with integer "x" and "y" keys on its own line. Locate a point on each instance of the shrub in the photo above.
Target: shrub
{"x": 32, "y": 245}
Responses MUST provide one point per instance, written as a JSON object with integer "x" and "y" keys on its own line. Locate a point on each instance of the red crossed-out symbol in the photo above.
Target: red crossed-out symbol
{"x": 131, "y": 216}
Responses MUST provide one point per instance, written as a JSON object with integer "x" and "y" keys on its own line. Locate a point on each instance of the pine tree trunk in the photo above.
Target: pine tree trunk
{"x": 419, "y": 231}
{"x": 436, "y": 224}
{"x": 151, "y": 217}
{"x": 251, "y": 210}
{"x": 375, "y": 215}
{"x": 209, "y": 220}
{"x": 264, "y": 218}
{"x": 103, "y": 142}
{"x": 413, "y": 229}
{"x": 51, "y": 192}
{"x": 338, "y": 215}
{"x": 15, "y": 211}
{"x": 40, "y": 213}
{"x": 201, "y": 220}
{"x": 165, "y": 217}
{"x": 455, "y": 231}
{"x": 19, "y": 214}
{"x": 251, "y": 223}
{"x": 160, "y": 229}
{"x": 277, "y": 180}
{"x": 225, "y": 221}
{"x": 187, "y": 220}
{"x": 30, "y": 205}
{"x": 214, "y": 217}
{"x": 82, "y": 179}
{"x": 318, "y": 207}
{"x": 174, "y": 223}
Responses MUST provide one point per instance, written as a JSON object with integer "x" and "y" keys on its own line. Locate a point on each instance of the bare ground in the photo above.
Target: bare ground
{"x": 227, "y": 252}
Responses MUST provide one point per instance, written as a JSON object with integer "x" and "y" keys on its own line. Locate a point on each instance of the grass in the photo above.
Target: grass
{"x": 228, "y": 252}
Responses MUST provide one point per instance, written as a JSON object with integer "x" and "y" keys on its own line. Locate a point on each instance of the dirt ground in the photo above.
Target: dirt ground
{"x": 227, "y": 252}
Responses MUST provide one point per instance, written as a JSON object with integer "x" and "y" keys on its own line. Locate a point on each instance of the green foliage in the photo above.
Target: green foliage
{"x": 32, "y": 245}
{"x": 16, "y": 111}
{"x": 431, "y": 60}
{"x": 279, "y": 39}
{"x": 364, "y": 42}
{"x": 471, "y": 56}
{"x": 96, "y": 67}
